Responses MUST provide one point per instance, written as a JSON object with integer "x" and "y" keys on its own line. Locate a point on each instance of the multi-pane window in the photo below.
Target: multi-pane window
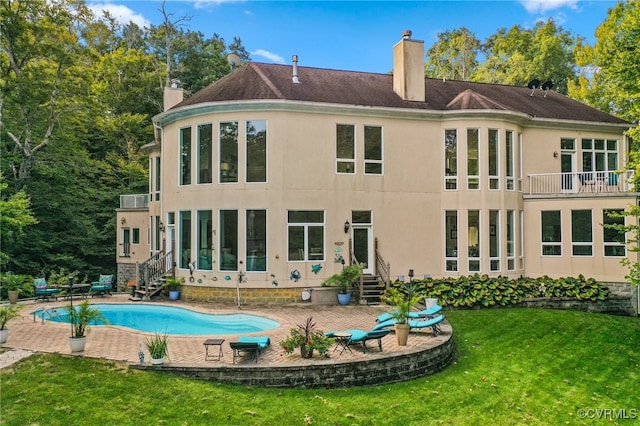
{"x": 511, "y": 252}
{"x": 256, "y": 232}
{"x": 205, "y": 240}
{"x": 205, "y": 153}
{"x": 184, "y": 241}
{"x": 451, "y": 159}
{"x": 473, "y": 235}
{"x": 451, "y": 240}
{"x": 581, "y": 233}
{"x": 493, "y": 156}
{"x": 305, "y": 235}
{"x": 228, "y": 137}
{"x": 228, "y": 233}
{"x": 551, "y": 233}
{"x": 494, "y": 240}
{"x": 185, "y": 156}
{"x": 373, "y": 150}
{"x": 613, "y": 233}
{"x": 600, "y": 156}
{"x": 473, "y": 165}
{"x": 345, "y": 148}
{"x": 510, "y": 160}
{"x": 257, "y": 151}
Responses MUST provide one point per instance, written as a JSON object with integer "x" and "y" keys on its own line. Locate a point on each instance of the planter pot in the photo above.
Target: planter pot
{"x": 13, "y": 296}
{"x": 306, "y": 353}
{"x": 77, "y": 344}
{"x": 402, "y": 334}
{"x": 157, "y": 361}
{"x": 174, "y": 294}
{"x": 324, "y": 295}
{"x": 344, "y": 298}
{"x": 4, "y": 334}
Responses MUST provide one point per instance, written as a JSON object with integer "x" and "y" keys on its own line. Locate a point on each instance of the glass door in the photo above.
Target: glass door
{"x": 362, "y": 247}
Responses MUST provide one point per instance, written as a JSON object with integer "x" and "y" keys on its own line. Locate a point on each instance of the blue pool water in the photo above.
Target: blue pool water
{"x": 171, "y": 320}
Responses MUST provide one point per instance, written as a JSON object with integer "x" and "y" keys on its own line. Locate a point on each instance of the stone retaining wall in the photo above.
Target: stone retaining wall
{"x": 618, "y": 305}
{"x": 324, "y": 373}
{"x": 251, "y": 296}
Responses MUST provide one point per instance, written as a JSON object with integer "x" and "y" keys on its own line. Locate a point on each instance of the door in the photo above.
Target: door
{"x": 363, "y": 247}
{"x": 569, "y": 178}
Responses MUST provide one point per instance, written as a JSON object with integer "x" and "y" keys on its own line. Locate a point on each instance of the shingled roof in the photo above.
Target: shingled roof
{"x": 259, "y": 81}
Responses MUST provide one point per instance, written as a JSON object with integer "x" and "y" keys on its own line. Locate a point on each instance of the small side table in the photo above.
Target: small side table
{"x": 342, "y": 341}
{"x": 213, "y": 342}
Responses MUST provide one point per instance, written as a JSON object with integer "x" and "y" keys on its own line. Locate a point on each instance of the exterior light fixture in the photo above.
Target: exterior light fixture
{"x": 410, "y": 274}
{"x": 346, "y": 226}
{"x": 161, "y": 226}
{"x": 123, "y": 220}
{"x": 555, "y": 154}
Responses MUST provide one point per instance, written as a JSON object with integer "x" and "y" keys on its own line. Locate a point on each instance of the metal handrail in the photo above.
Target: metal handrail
{"x": 44, "y": 311}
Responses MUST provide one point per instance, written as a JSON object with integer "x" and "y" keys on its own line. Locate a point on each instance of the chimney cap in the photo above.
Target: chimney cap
{"x": 406, "y": 34}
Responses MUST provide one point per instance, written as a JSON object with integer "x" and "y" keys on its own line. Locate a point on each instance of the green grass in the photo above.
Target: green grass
{"x": 512, "y": 367}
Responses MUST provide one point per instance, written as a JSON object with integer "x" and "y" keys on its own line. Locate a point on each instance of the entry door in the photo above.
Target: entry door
{"x": 363, "y": 246}
{"x": 569, "y": 178}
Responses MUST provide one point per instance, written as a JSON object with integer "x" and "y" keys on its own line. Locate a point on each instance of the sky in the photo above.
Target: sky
{"x": 353, "y": 35}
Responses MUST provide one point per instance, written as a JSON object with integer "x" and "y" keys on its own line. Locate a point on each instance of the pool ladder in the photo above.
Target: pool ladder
{"x": 51, "y": 312}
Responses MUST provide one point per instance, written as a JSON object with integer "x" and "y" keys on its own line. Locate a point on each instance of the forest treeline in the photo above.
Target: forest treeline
{"x": 78, "y": 92}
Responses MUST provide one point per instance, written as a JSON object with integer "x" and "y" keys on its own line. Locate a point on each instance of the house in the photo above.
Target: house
{"x": 283, "y": 172}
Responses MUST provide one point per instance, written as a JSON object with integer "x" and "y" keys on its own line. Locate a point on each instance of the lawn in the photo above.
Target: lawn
{"x": 512, "y": 367}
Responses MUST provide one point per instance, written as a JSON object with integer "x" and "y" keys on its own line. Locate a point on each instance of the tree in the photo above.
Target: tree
{"x": 453, "y": 56}
{"x": 15, "y": 216}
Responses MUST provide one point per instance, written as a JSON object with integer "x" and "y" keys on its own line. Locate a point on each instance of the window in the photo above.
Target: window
{"x": 205, "y": 153}
{"x": 520, "y": 162}
{"x": 256, "y": 231}
{"x": 451, "y": 159}
{"x": 156, "y": 233}
{"x": 510, "y": 160}
{"x": 473, "y": 178}
{"x": 613, "y": 234}
{"x": 581, "y": 233}
{"x": 135, "y": 235}
{"x": 551, "y": 233}
{"x": 185, "y": 156}
{"x": 257, "y": 151}
{"x": 205, "y": 240}
{"x": 228, "y": 152}
{"x": 125, "y": 245}
{"x": 521, "y": 240}
{"x": 345, "y": 148}
{"x": 511, "y": 252}
{"x": 451, "y": 240}
{"x": 157, "y": 178}
{"x": 473, "y": 235}
{"x": 494, "y": 165}
{"x": 373, "y": 150}
{"x": 305, "y": 235}
{"x": 228, "y": 240}
{"x": 494, "y": 240}
{"x": 184, "y": 243}
{"x": 600, "y": 155}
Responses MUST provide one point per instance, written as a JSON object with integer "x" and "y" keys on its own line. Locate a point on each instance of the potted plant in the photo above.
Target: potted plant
{"x": 344, "y": 280}
{"x": 172, "y": 284}
{"x": 307, "y": 337}
{"x": 403, "y": 299}
{"x": 15, "y": 285}
{"x": 80, "y": 317}
{"x": 158, "y": 348}
{"x": 7, "y": 313}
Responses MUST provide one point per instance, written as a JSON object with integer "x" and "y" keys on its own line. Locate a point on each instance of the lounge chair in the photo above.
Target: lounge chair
{"x": 428, "y": 312}
{"x": 102, "y": 286}
{"x": 242, "y": 349}
{"x": 361, "y": 336}
{"x": 262, "y": 341}
{"x": 43, "y": 291}
{"x": 415, "y": 324}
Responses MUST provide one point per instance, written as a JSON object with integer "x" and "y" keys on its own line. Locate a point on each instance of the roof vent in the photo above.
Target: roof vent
{"x": 406, "y": 34}
{"x": 294, "y": 59}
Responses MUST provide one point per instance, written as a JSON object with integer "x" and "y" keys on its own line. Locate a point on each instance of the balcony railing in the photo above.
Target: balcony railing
{"x": 582, "y": 182}
{"x": 134, "y": 201}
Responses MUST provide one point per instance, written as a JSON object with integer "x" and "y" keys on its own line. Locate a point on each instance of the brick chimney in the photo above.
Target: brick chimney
{"x": 408, "y": 68}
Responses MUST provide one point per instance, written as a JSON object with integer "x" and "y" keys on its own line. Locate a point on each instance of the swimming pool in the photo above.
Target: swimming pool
{"x": 170, "y": 320}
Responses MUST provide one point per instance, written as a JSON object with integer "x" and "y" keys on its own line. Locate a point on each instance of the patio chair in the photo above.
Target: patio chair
{"x": 43, "y": 291}
{"x": 428, "y": 313}
{"x": 102, "y": 286}
{"x": 244, "y": 349}
{"x": 362, "y": 337}
{"x": 433, "y": 323}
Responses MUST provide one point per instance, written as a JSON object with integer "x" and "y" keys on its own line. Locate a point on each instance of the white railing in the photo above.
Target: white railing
{"x": 580, "y": 182}
{"x": 134, "y": 201}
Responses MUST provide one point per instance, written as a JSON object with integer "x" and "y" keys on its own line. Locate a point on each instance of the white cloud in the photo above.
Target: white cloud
{"x": 203, "y": 4}
{"x": 542, "y": 6}
{"x": 122, "y": 14}
{"x": 270, "y": 56}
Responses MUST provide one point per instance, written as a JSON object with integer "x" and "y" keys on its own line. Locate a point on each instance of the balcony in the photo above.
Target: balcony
{"x": 134, "y": 201}
{"x": 582, "y": 182}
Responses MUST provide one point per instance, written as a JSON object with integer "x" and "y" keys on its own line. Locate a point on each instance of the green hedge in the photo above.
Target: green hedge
{"x": 481, "y": 290}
